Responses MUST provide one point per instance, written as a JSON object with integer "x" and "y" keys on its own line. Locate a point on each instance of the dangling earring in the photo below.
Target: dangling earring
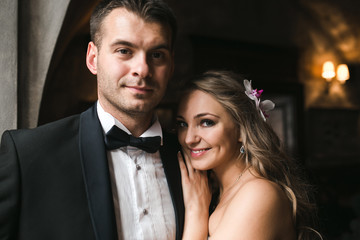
{"x": 242, "y": 149}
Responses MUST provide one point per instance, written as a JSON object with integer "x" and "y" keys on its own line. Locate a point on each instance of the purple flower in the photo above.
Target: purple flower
{"x": 254, "y": 95}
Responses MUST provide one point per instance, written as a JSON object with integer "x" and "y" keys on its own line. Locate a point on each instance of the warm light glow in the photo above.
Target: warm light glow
{"x": 342, "y": 73}
{"x": 328, "y": 70}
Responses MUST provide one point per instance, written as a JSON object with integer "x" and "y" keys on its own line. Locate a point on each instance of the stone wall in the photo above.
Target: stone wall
{"x": 39, "y": 28}
{"x": 8, "y": 64}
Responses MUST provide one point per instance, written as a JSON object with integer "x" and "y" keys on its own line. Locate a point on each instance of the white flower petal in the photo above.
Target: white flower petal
{"x": 257, "y": 102}
{"x": 267, "y": 105}
{"x": 249, "y": 90}
{"x": 247, "y": 85}
{"x": 262, "y": 115}
{"x": 252, "y": 97}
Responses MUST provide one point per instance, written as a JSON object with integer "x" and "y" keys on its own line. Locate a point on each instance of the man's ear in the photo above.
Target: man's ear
{"x": 91, "y": 58}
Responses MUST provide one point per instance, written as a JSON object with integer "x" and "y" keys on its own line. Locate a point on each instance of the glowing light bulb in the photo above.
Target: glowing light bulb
{"x": 328, "y": 71}
{"x": 342, "y": 73}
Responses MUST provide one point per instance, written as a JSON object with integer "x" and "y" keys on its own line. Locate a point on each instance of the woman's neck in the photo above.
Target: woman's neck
{"x": 229, "y": 176}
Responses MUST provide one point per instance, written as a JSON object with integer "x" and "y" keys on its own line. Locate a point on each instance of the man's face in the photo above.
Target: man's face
{"x": 133, "y": 64}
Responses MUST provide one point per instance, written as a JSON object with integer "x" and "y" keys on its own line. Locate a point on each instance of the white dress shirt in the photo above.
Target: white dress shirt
{"x": 142, "y": 201}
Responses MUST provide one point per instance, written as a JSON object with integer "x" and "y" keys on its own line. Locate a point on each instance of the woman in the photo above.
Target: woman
{"x": 222, "y": 126}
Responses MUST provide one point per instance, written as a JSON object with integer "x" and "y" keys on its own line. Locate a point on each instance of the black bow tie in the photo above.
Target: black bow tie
{"x": 116, "y": 138}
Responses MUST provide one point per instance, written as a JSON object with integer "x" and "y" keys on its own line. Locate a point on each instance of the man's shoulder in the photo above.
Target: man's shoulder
{"x": 169, "y": 136}
{"x": 60, "y": 128}
{"x": 170, "y": 141}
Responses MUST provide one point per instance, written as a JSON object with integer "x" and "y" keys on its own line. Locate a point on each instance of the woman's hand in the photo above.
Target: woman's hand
{"x": 197, "y": 197}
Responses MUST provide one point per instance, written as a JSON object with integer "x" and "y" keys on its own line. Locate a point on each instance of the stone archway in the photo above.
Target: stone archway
{"x": 69, "y": 88}
{"x": 8, "y": 64}
{"x": 46, "y": 30}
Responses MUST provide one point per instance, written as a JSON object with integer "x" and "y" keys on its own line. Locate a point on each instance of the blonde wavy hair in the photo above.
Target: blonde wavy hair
{"x": 264, "y": 150}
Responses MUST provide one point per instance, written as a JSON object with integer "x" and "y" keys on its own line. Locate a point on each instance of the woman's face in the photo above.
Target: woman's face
{"x": 207, "y": 132}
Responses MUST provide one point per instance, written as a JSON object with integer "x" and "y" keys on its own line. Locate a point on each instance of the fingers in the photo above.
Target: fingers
{"x": 188, "y": 164}
{"x": 186, "y": 167}
{"x": 183, "y": 169}
{"x": 185, "y": 164}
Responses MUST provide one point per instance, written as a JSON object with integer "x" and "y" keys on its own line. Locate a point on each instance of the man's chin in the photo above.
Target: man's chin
{"x": 139, "y": 110}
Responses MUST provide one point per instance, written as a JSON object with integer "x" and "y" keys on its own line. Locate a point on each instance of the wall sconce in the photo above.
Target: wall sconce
{"x": 342, "y": 72}
{"x": 328, "y": 71}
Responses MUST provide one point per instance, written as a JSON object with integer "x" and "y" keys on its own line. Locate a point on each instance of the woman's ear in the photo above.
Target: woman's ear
{"x": 91, "y": 58}
{"x": 240, "y": 138}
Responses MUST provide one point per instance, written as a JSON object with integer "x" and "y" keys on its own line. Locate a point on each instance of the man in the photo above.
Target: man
{"x": 76, "y": 178}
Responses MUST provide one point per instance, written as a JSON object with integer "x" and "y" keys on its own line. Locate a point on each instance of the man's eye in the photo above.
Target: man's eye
{"x": 181, "y": 124}
{"x": 124, "y": 51}
{"x": 207, "y": 123}
{"x": 157, "y": 55}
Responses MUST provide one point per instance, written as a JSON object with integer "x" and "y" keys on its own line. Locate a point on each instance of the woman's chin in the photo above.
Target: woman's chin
{"x": 200, "y": 167}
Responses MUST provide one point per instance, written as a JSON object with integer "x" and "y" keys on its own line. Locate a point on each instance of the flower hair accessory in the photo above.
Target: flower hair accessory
{"x": 254, "y": 95}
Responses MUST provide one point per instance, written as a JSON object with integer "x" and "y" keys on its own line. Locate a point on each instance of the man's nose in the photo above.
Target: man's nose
{"x": 141, "y": 67}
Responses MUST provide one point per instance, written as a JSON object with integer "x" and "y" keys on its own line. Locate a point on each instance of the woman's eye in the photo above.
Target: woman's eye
{"x": 207, "y": 123}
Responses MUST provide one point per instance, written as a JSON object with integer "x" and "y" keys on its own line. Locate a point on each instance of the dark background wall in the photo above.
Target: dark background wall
{"x": 281, "y": 45}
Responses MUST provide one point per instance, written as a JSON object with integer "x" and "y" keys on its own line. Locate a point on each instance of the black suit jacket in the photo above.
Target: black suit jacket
{"x": 55, "y": 183}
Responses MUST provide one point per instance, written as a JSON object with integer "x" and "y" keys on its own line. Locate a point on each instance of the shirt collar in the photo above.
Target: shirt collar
{"x": 107, "y": 121}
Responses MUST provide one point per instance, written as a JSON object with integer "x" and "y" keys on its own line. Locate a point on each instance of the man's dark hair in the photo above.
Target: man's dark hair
{"x": 150, "y": 10}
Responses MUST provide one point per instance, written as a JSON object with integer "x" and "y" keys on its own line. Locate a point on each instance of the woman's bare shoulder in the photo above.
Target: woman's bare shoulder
{"x": 260, "y": 190}
{"x": 259, "y": 210}
{"x": 260, "y": 196}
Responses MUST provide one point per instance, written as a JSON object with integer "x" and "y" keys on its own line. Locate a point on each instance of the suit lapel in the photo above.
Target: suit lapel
{"x": 168, "y": 154}
{"x": 96, "y": 176}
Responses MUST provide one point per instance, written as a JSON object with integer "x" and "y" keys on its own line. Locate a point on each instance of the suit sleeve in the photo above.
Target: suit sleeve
{"x": 9, "y": 188}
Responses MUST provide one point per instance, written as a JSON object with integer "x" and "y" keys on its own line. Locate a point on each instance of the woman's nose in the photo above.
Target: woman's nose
{"x": 192, "y": 137}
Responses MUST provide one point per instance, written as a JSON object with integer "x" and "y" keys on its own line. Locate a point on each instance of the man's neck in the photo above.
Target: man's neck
{"x": 136, "y": 123}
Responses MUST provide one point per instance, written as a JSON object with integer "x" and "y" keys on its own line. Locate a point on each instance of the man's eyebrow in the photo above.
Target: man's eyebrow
{"x": 123, "y": 42}
{"x": 161, "y": 46}
{"x": 132, "y": 45}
